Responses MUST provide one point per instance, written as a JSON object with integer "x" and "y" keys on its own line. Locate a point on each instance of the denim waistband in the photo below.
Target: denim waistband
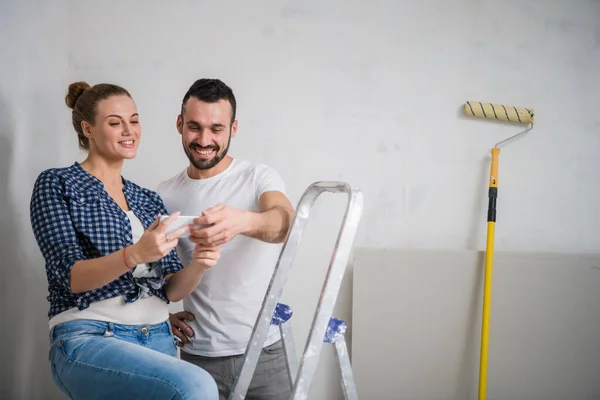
{"x": 105, "y": 328}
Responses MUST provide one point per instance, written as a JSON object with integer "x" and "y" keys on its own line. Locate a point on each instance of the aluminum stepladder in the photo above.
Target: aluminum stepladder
{"x": 323, "y": 327}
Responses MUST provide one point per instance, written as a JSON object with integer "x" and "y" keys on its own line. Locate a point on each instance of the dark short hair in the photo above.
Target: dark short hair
{"x": 210, "y": 91}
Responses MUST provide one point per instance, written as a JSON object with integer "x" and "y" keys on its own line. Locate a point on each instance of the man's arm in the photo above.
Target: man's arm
{"x": 274, "y": 220}
{"x": 270, "y": 224}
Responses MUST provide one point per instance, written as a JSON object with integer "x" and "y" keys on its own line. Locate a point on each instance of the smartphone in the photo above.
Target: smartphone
{"x": 180, "y": 221}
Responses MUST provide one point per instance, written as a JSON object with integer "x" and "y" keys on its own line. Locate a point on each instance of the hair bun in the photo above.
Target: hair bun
{"x": 76, "y": 89}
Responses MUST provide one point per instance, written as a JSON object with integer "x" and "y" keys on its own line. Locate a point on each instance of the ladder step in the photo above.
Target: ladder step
{"x": 282, "y": 314}
{"x": 335, "y": 330}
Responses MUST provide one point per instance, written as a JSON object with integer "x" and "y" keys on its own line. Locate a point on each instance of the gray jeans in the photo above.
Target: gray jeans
{"x": 270, "y": 380}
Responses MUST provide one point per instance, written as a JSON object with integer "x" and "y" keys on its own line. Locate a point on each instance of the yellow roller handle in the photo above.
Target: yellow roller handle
{"x": 485, "y": 324}
{"x": 499, "y": 111}
{"x": 494, "y": 168}
{"x": 487, "y": 286}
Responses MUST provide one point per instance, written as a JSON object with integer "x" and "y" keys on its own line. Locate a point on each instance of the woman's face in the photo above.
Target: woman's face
{"x": 115, "y": 135}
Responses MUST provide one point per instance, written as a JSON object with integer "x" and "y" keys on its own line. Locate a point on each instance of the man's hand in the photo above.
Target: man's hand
{"x": 180, "y": 328}
{"x": 224, "y": 223}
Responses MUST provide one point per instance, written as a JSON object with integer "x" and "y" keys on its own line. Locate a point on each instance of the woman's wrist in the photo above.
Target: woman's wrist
{"x": 197, "y": 265}
{"x": 130, "y": 256}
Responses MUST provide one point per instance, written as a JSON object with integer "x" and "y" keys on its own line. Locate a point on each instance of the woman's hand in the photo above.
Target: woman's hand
{"x": 182, "y": 283}
{"x": 155, "y": 243}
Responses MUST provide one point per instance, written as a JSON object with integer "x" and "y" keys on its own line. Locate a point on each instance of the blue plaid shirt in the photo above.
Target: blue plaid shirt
{"x": 73, "y": 218}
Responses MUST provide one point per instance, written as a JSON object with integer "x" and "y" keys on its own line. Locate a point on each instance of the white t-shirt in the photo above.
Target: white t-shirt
{"x": 229, "y": 296}
{"x": 145, "y": 311}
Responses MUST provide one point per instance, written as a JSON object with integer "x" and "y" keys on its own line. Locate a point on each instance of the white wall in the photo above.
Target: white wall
{"x": 33, "y": 76}
{"x": 369, "y": 93}
{"x": 372, "y": 94}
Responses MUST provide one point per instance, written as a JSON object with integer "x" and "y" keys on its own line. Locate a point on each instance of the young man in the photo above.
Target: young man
{"x": 242, "y": 208}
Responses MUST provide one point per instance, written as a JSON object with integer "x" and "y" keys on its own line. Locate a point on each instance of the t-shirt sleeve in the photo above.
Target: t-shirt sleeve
{"x": 268, "y": 180}
{"x": 162, "y": 192}
{"x": 159, "y": 190}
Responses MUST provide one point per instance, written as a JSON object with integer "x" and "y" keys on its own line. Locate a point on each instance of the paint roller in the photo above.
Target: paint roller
{"x": 499, "y": 111}
{"x": 503, "y": 113}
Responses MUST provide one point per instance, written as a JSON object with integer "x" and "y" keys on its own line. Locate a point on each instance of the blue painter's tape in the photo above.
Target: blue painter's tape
{"x": 335, "y": 330}
{"x": 282, "y": 314}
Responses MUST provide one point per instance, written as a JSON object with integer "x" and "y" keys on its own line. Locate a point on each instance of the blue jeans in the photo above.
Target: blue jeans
{"x": 100, "y": 360}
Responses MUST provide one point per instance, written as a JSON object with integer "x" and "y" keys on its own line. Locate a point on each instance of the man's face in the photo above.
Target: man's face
{"x": 206, "y": 131}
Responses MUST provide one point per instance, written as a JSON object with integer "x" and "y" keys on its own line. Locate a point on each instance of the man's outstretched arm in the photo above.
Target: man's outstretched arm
{"x": 270, "y": 224}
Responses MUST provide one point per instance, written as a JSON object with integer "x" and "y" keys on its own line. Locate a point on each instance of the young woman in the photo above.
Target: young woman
{"x": 112, "y": 268}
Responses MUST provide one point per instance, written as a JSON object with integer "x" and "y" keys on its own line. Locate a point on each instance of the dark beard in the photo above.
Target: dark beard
{"x": 206, "y": 164}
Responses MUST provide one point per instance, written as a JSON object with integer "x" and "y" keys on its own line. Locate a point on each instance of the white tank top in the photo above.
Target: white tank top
{"x": 145, "y": 311}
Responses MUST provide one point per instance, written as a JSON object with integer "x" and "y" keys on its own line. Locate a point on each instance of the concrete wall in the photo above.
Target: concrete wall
{"x": 417, "y": 325}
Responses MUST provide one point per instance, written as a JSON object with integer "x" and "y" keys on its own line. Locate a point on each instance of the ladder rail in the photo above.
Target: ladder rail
{"x": 290, "y": 351}
{"x": 347, "y": 377}
{"x": 336, "y": 332}
{"x": 328, "y": 297}
{"x": 279, "y": 278}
